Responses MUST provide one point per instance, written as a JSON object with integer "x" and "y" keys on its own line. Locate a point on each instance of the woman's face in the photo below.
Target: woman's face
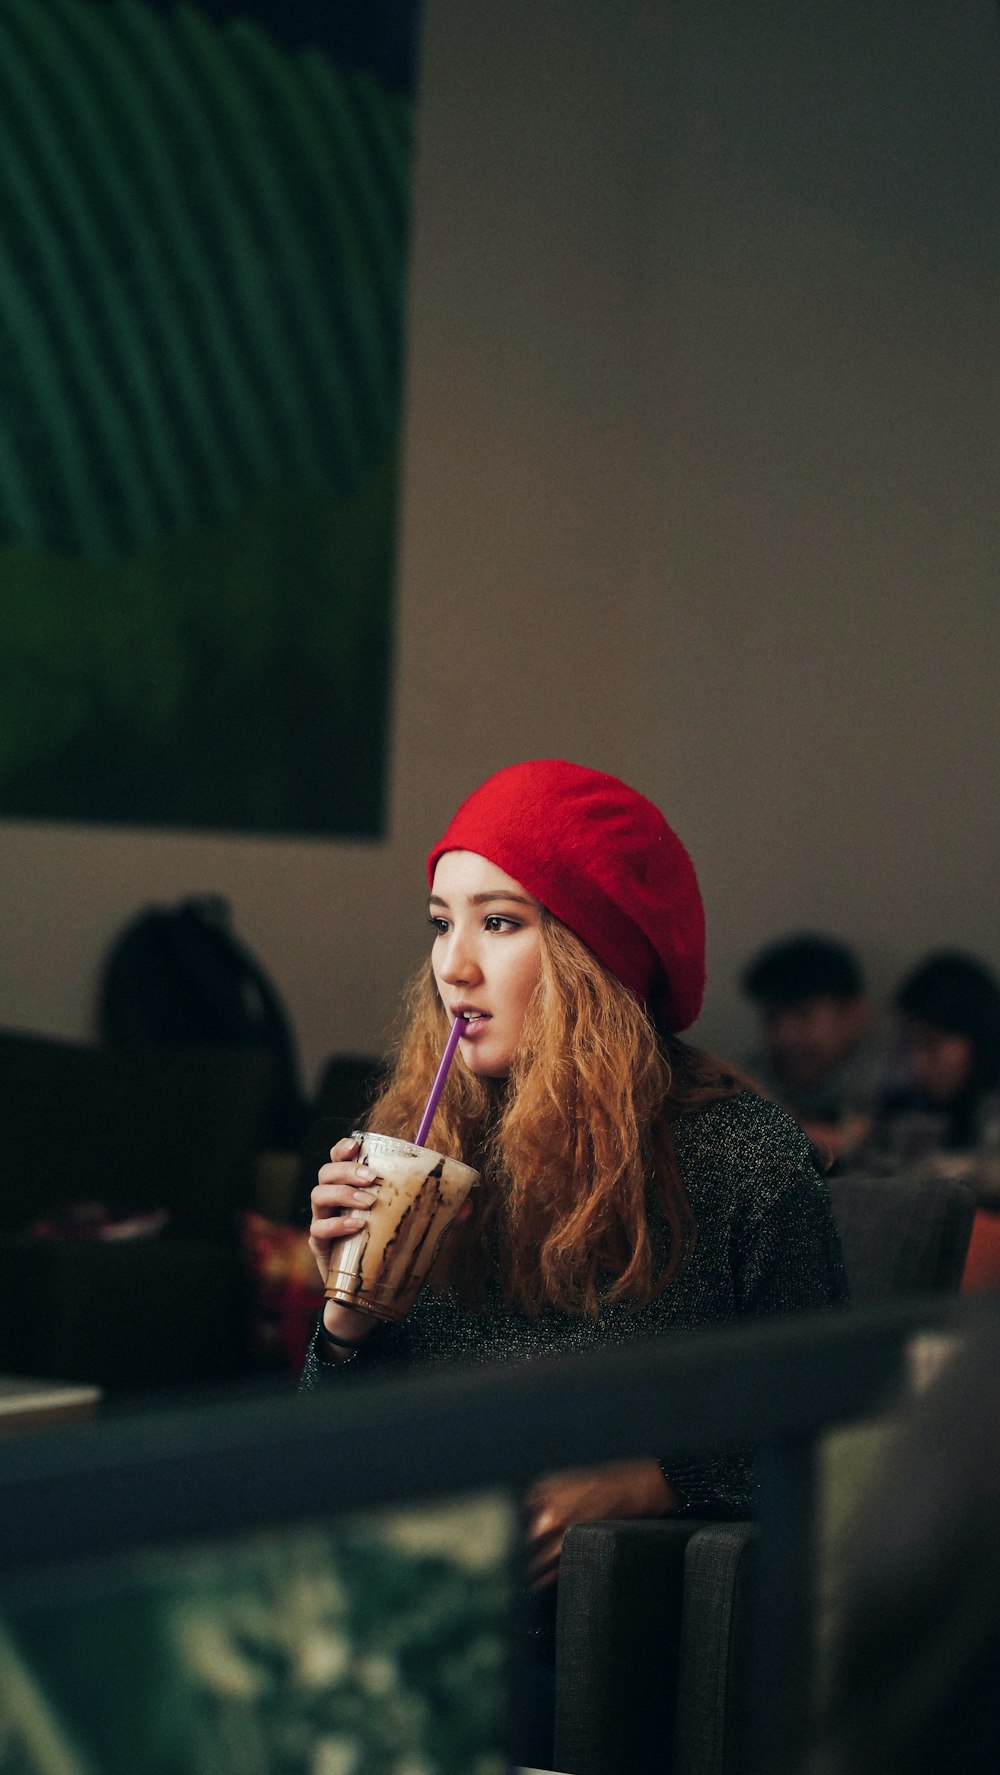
{"x": 940, "y": 1061}
{"x": 486, "y": 956}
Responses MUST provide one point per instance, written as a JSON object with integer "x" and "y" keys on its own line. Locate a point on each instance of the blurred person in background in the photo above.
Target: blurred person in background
{"x": 948, "y": 1101}
{"x": 816, "y": 1059}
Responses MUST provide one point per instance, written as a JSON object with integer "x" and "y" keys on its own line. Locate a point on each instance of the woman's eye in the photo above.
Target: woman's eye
{"x": 494, "y": 922}
{"x": 438, "y": 925}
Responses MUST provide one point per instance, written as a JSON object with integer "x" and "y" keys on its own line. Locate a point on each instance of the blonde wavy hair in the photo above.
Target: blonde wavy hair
{"x": 574, "y": 1148}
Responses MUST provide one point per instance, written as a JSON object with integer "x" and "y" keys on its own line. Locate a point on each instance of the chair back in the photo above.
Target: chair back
{"x": 907, "y": 1233}
{"x": 653, "y": 1647}
{"x": 137, "y": 1129}
{"x": 134, "y": 1128}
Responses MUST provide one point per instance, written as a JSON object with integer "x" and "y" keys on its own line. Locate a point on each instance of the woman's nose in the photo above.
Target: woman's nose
{"x": 458, "y": 965}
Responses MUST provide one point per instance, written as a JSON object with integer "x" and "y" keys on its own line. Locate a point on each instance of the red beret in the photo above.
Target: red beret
{"x": 603, "y": 860}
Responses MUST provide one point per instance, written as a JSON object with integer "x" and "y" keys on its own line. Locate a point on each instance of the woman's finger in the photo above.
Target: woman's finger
{"x": 541, "y": 1548}
{"x": 542, "y": 1526}
{"x": 341, "y": 1173}
{"x": 334, "y": 1221}
{"x": 543, "y": 1569}
{"x": 337, "y": 1226}
{"x": 326, "y": 1198}
{"x": 345, "y": 1149}
{"x": 543, "y": 1534}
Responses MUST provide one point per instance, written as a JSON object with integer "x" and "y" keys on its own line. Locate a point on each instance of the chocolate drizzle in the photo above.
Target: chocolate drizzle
{"x": 403, "y": 1263}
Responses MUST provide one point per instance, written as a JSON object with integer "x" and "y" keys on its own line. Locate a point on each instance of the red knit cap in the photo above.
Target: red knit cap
{"x": 603, "y": 860}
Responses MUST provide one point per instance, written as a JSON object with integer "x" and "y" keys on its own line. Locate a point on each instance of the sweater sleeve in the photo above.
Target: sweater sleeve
{"x": 378, "y": 1350}
{"x": 719, "y": 1486}
{"x": 316, "y": 1373}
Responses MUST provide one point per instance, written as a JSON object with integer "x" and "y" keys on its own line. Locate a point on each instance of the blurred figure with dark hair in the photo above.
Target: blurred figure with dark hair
{"x": 915, "y": 1684}
{"x": 949, "y": 1011}
{"x": 810, "y": 995}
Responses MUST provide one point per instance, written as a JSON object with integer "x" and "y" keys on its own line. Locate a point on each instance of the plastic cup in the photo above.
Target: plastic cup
{"x": 382, "y": 1268}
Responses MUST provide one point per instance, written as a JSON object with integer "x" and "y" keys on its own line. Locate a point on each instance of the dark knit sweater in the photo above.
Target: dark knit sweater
{"x": 766, "y": 1246}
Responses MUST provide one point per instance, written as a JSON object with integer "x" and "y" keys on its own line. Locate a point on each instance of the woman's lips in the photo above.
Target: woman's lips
{"x": 474, "y": 1027}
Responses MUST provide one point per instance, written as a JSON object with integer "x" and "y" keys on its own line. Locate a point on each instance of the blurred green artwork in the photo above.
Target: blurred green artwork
{"x": 375, "y": 1647}
{"x": 203, "y": 236}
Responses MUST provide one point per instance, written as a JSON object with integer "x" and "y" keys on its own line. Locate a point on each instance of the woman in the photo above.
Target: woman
{"x": 630, "y": 1185}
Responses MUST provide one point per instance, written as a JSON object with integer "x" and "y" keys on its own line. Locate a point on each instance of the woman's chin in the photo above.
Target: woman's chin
{"x": 485, "y": 1066}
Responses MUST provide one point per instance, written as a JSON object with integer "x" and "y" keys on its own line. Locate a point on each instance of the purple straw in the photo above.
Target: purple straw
{"x": 438, "y": 1086}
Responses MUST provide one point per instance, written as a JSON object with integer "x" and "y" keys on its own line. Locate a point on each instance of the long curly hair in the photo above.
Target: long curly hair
{"x": 575, "y": 1148}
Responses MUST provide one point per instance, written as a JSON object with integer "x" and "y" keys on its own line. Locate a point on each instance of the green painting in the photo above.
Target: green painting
{"x": 376, "y": 1647}
{"x": 203, "y": 232}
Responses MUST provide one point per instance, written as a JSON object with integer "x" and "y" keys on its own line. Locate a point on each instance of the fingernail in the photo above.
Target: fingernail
{"x": 355, "y": 1220}
{"x": 365, "y": 1171}
{"x": 365, "y": 1196}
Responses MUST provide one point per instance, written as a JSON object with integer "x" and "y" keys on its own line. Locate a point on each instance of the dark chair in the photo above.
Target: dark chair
{"x": 652, "y": 1645}
{"x": 906, "y": 1233}
{"x": 134, "y": 1130}
{"x": 653, "y": 1617}
{"x": 712, "y": 1679}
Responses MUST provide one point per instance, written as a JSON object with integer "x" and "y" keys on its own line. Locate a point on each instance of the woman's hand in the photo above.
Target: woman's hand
{"x": 340, "y": 1203}
{"x": 588, "y": 1494}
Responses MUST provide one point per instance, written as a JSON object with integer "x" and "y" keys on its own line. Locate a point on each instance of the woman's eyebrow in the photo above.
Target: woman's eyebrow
{"x": 481, "y": 899}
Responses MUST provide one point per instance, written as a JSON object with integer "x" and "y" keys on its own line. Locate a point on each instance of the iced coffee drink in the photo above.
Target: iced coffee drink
{"x": 382, "y": 1268}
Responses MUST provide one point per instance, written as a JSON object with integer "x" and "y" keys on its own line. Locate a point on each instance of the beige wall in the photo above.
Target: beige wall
{"x": 823, "y": 520}
{"x": 703, "y": 389}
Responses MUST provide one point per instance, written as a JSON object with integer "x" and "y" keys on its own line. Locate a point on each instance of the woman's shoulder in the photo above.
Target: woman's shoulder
{"x": 760, "y": 1197}
{"x": 746, "y": 1136}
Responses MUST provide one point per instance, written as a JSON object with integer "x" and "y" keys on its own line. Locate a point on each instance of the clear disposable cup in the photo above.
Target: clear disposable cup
{"x": 382, "y": 1268}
